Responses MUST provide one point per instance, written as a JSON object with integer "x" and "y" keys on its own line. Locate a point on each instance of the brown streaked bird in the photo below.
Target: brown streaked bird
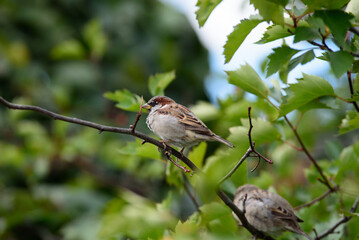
{"x": 266, "y": 211}
{"x": 177, "y": 125}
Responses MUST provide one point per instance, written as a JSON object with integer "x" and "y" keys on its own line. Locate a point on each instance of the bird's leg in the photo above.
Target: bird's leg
{"x": 168, "y": 155}
{"x": 164, "y": 142}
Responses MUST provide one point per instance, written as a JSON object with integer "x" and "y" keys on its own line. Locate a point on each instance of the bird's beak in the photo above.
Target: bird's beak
{"x": 146, "y": 106}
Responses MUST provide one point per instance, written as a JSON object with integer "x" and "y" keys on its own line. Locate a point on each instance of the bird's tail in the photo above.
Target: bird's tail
{"x": 219, "y": 139}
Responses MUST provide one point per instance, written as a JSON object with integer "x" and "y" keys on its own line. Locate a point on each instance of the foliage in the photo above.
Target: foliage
{"x": 60, "y": 180}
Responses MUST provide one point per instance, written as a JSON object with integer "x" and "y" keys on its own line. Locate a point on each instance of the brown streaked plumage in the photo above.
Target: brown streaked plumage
{"x": 175, "y": 124}
{"x": 266, "y": 211}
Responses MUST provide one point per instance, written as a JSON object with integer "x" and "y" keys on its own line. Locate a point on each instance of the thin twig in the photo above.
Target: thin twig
{"x": 168, "y": 155}
{"x": 244, "y": 157}
{"x": 314, "y": 200}
{"x": 189, "y": 193}
{"x": 340, "y": 221}
{"x": 137, "y": 117}
{"x": 305, "y": 150}
{"x": 349, "y": 76}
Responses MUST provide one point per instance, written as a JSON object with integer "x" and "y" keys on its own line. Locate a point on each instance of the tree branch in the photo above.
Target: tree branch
{"x": 340, "y": 221}
{"x": 103, "y": 128}
{"x": 314, "y": 200}
{"x": 349, "y": 76}
{"x": 305, "y": 150}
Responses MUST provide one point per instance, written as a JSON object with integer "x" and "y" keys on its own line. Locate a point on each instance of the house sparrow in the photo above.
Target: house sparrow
{"x": 175, "y": 124}
{"x": 266, "y": 211}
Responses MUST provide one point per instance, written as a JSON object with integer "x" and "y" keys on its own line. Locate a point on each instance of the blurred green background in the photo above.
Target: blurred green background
{"x": 63, "y": 55}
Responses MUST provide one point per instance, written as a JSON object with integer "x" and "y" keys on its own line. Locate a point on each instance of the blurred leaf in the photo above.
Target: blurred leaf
{"x": 68, "y": 49}
{"x": 350, "y": 122}
{"x": 159, "y": 82}
{"x": 18, "y": 53}
{"x": 246, "y": 78}
{"x": 125, "y": 100}
{"x": 270, "y": 11}
{"x": 263, "y": 131}
{"x": 197, "y": 154}
{"x": 205, "y": 8}
{"x": 305, "y": 34}
{"x": 306, "y": 90}
{"x": 279, "y": 61}
{"x": 353, "y": 8}
{"x": 348, "y": 163}
{"x": 95, "y": 38}
{"x": 338, "y": 22}
{"x": 136, "y": 217}
{"x": 205, "y": 111}
{"x": 237, "y": 36}
{"x": 174, "y": 174}
{"x": 340, "y": 62}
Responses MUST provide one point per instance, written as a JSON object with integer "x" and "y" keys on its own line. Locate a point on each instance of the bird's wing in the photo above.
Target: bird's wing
{"x": 190, "y": 121}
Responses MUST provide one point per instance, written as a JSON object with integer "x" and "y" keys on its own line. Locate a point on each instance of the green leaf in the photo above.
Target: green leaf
{"x": 353, "y": 8}
{"x": 305, "y": 34}
{"x": 307, "y": 89}
{"x": 68, "y": 49}
{"x": 95, "y": 38}
{"x": 328, "y": 4}
{"x": 350, "y": 122}
{"x": 197, "y": 154}
{"x": 302, "y": 59}
{"x": 337, "y": 21}
{"x": 158, "y": 83}
{"x": 237, "y": 36}
{"x": 273, "y": 33}
{"x": 263, "y": 131}
{"x": 348, "y": 160}
{"x": 205, "y": 8}
{"x": 125, "y": 100}
{"x": 279, "y": 60}
{"x": 340, "y": 62}
{"x": 269, "y": 11}
{"x": 247, "y": 79}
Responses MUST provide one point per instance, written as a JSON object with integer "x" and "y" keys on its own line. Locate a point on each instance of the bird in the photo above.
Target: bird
{"x": 177, "y": 125}
{"x": 266, "y": 211}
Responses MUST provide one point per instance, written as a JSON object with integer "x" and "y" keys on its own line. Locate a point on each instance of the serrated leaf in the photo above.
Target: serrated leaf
{"x": 305, "y": 34}
{"x": 302, "y": 59}
{"x": 125, "y": 100}
{"x": 319, "y": 4}
{"x": 340, "y": 62}
{"x": 337, "y": 21}
{"x": 237, "y": 36}
{"x": 269, "y": 11}
{"x": 350, "y": 122}
{"x": 273, "y": 33}
{"x": 247, "y": 79}
{"x": 205, "y": 8}
{"x": 307, "y": 89}
{"x": 279, "y": 60}
{"x": 158, "y": 83}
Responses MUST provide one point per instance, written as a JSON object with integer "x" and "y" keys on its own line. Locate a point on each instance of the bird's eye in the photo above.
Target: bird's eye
{"x": 153, "y": 103}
